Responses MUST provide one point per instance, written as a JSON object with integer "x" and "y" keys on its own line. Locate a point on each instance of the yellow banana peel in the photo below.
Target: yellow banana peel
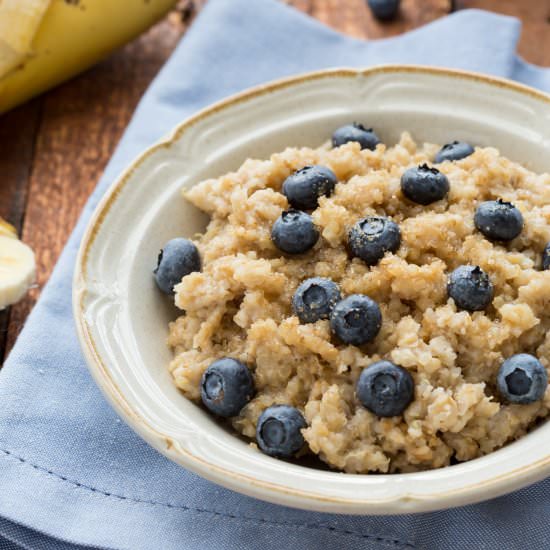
{"x": 44, "y": 42}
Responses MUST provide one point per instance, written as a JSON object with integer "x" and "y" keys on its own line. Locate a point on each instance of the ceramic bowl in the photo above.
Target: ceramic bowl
{"x": 122, "y": 319}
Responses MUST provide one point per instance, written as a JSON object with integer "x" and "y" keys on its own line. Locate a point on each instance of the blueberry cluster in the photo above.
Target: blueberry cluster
{"x": 384, "y": 388}
{"x": 354, "y": 320}
{"x": 294, "y": 231}
{"x": 227, "y": 386}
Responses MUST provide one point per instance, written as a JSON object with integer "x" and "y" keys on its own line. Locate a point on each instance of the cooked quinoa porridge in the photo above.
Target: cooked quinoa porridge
{"x": 436, "y": 278}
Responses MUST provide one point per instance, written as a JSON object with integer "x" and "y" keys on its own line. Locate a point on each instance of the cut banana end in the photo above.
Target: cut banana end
{"x": 17, "y": 270}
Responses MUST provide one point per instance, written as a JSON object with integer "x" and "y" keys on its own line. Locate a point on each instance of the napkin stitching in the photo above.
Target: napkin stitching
{"x": 41, "y": 469}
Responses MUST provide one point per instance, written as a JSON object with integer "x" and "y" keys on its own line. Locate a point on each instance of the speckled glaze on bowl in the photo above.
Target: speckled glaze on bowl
{"x": 122, "y": 318}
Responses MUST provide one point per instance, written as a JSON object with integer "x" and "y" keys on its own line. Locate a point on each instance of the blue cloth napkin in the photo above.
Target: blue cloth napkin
{"x": 72, "y": 473}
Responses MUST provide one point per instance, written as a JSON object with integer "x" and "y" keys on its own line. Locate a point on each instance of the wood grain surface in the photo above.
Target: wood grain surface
{"x": 54, "y": 149}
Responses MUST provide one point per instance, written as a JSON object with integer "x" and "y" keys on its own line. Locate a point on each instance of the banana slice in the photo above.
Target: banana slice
{"x": 17, "y": 269}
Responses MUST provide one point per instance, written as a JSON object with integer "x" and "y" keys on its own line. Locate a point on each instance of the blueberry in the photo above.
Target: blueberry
{"x": 178, "y": 258}
{"x": 384, "y": 10}
{"x": 470, "y": 287}
{"x": 314, "y": 299}
{"x": 226, "y": 387}
{"x": 546, "y": 257}
{"x": 371, "y": 237}
{"x": 455, "y": 150}
{"x": 385, "y": 389}
{"x": 279, "y": 431}
{"x": 522, "y": 379}
{"x": 498, "y": 220}
{"x": 304, "y": 187}
{"x": 294, "y": 232}
{"x": 424, "y": 185}
{"x": 356, "y": 319}
{"x": 355, "y": 132}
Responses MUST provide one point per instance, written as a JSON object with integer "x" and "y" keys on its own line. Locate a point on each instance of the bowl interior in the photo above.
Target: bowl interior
{"x": 127, "y": 318}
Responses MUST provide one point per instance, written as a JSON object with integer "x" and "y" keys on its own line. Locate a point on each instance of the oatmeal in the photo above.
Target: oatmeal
{"x": 446, "y": 340}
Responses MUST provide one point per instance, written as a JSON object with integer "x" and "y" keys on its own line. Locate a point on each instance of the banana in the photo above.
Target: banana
{"x": 44, "y": 42}
{"x": 17, "y": 266}
{"x": 19, "y": 22}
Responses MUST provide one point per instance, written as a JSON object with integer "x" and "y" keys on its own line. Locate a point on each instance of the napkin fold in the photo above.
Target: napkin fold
{"x": 73, "y": 475}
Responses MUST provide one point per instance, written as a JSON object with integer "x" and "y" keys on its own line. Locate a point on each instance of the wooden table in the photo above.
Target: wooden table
{"x": 54, "y": 149}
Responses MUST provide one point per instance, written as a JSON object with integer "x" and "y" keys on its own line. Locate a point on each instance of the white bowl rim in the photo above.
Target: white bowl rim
{"x": 402, "y": 503}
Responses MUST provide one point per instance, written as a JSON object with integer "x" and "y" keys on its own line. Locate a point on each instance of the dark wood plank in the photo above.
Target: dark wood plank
{"x": 18, "y": 131}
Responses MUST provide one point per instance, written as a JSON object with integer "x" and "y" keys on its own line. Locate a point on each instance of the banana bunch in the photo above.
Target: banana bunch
{"x": 17, "y": 266}
{"x": 44, "y": 42}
